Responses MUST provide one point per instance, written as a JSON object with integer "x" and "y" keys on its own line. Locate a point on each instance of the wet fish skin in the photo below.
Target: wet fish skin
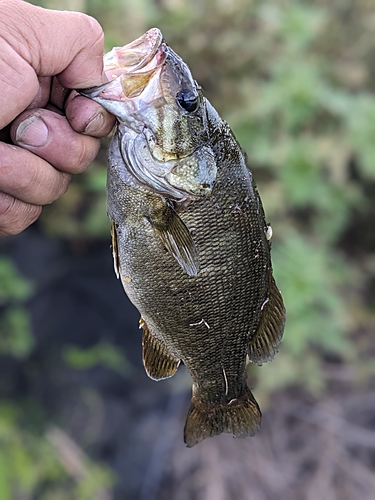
{"x": 197, "y": 265}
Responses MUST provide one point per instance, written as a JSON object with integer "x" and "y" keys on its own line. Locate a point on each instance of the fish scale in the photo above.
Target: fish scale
{"x": 190, "y": 240}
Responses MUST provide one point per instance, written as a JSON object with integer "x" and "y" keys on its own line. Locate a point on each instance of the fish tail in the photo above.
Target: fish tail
{"x": 240, "y": 417}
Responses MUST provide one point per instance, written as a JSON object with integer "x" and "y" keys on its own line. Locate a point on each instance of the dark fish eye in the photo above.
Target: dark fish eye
{"x": 188, "y": 100}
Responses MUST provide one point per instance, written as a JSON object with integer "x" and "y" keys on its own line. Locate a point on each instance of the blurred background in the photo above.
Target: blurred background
{"x": 79, "y": 418}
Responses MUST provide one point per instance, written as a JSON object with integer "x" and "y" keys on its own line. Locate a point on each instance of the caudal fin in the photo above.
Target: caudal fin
{"x": 240, "y": 417}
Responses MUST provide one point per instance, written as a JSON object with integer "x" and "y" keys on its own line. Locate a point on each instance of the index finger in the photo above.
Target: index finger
{"x": 36, "y": 41}
{"x": 18, "y": 82}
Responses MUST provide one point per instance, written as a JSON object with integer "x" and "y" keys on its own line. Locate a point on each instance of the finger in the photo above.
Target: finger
{"x": 49, "y": 135}
{"x": 59, "y": 94}
{"x": 43, "y": 95}
{"x": 15, "y": 215}
{"x": 29, "y": 178}
{"x": 56, "y": 42}
{"x": 88, "y": 117}
{"x": 18, "y": 82}
{"x": 43, "y": 42}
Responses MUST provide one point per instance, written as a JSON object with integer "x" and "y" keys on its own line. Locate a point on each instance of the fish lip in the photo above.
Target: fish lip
{"x": 120, "y": 58}
{"x": 129, "y": 68}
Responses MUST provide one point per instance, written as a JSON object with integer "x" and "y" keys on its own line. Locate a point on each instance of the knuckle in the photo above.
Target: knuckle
{"x": 7, "y": 205}
{"x": 59, "y": 188}
{"x": 97, "y": 30}
{"x": 64, "y": 183}
{"x": 15, "y": 215}
{"x": 92, "y": 26}
{"x": 26, "y": 183}
{"x": 86, "y": 153}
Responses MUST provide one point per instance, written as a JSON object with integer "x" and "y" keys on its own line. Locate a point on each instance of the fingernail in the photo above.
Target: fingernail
{"x": 95, "y": 125}
{"x": 32, "y": 132}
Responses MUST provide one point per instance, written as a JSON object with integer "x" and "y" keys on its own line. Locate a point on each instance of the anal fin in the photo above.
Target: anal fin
{"x": 240, "y": 417}
{"x": 264, "y": 344}
{"x": 176, "y": 237}
{"x": 159, "y": 363}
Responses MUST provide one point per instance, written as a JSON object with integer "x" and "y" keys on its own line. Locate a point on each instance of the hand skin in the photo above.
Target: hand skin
{"x": 47, "y": 132}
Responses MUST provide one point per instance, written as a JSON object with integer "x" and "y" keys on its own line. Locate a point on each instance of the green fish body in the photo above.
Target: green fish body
{"x": 189, "y": 235}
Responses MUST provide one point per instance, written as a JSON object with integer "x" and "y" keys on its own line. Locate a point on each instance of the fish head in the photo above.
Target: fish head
{"x": 161, "y": 113}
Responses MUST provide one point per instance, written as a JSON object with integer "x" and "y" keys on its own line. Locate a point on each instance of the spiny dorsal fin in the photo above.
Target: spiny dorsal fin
{"x": 116, "y": 262}
{"x": 157, "y": 360}
{"x": 240, "y": 417}
{"x": 177, "y": 238}
{"x": 265, "y": 343}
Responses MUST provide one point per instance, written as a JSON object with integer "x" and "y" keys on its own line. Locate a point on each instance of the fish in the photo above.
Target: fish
{"x": 190, "y": 240}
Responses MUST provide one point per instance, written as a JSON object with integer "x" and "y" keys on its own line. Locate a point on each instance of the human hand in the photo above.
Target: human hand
{"x": 47, "y": 132}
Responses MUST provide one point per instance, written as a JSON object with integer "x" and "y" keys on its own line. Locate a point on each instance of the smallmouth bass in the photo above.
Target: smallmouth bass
{"x": 189, "y": 236}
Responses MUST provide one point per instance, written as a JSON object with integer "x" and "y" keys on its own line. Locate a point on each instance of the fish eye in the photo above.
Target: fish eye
{"x": 188, "y": 100}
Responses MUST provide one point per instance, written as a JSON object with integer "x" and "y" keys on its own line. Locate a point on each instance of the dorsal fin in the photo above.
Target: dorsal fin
{"x": 264, "y": 344}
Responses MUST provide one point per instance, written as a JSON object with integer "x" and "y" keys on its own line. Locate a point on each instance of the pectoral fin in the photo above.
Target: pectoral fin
{"x": 116, "y": 262}
{"x": 157, "y": 360}
{"x": 265, "y": 343}
{"x": 176, "y": 238}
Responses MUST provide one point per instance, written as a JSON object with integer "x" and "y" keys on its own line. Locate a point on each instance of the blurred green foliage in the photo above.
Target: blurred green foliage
{"x": 103, "y": 353}
{"x": 295, "y": 80}
{"x": 15, "y": 333}
{"x": 30, "y": 466}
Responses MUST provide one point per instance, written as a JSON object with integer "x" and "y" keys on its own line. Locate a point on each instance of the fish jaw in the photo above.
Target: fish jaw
{"x": 135, "y": 56}
{"x": 130, "y": 70}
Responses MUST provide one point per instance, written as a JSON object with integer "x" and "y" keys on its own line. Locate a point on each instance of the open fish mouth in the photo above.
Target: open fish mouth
{"x": 161, "y": 118}
{"x": 129, "y": 69}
